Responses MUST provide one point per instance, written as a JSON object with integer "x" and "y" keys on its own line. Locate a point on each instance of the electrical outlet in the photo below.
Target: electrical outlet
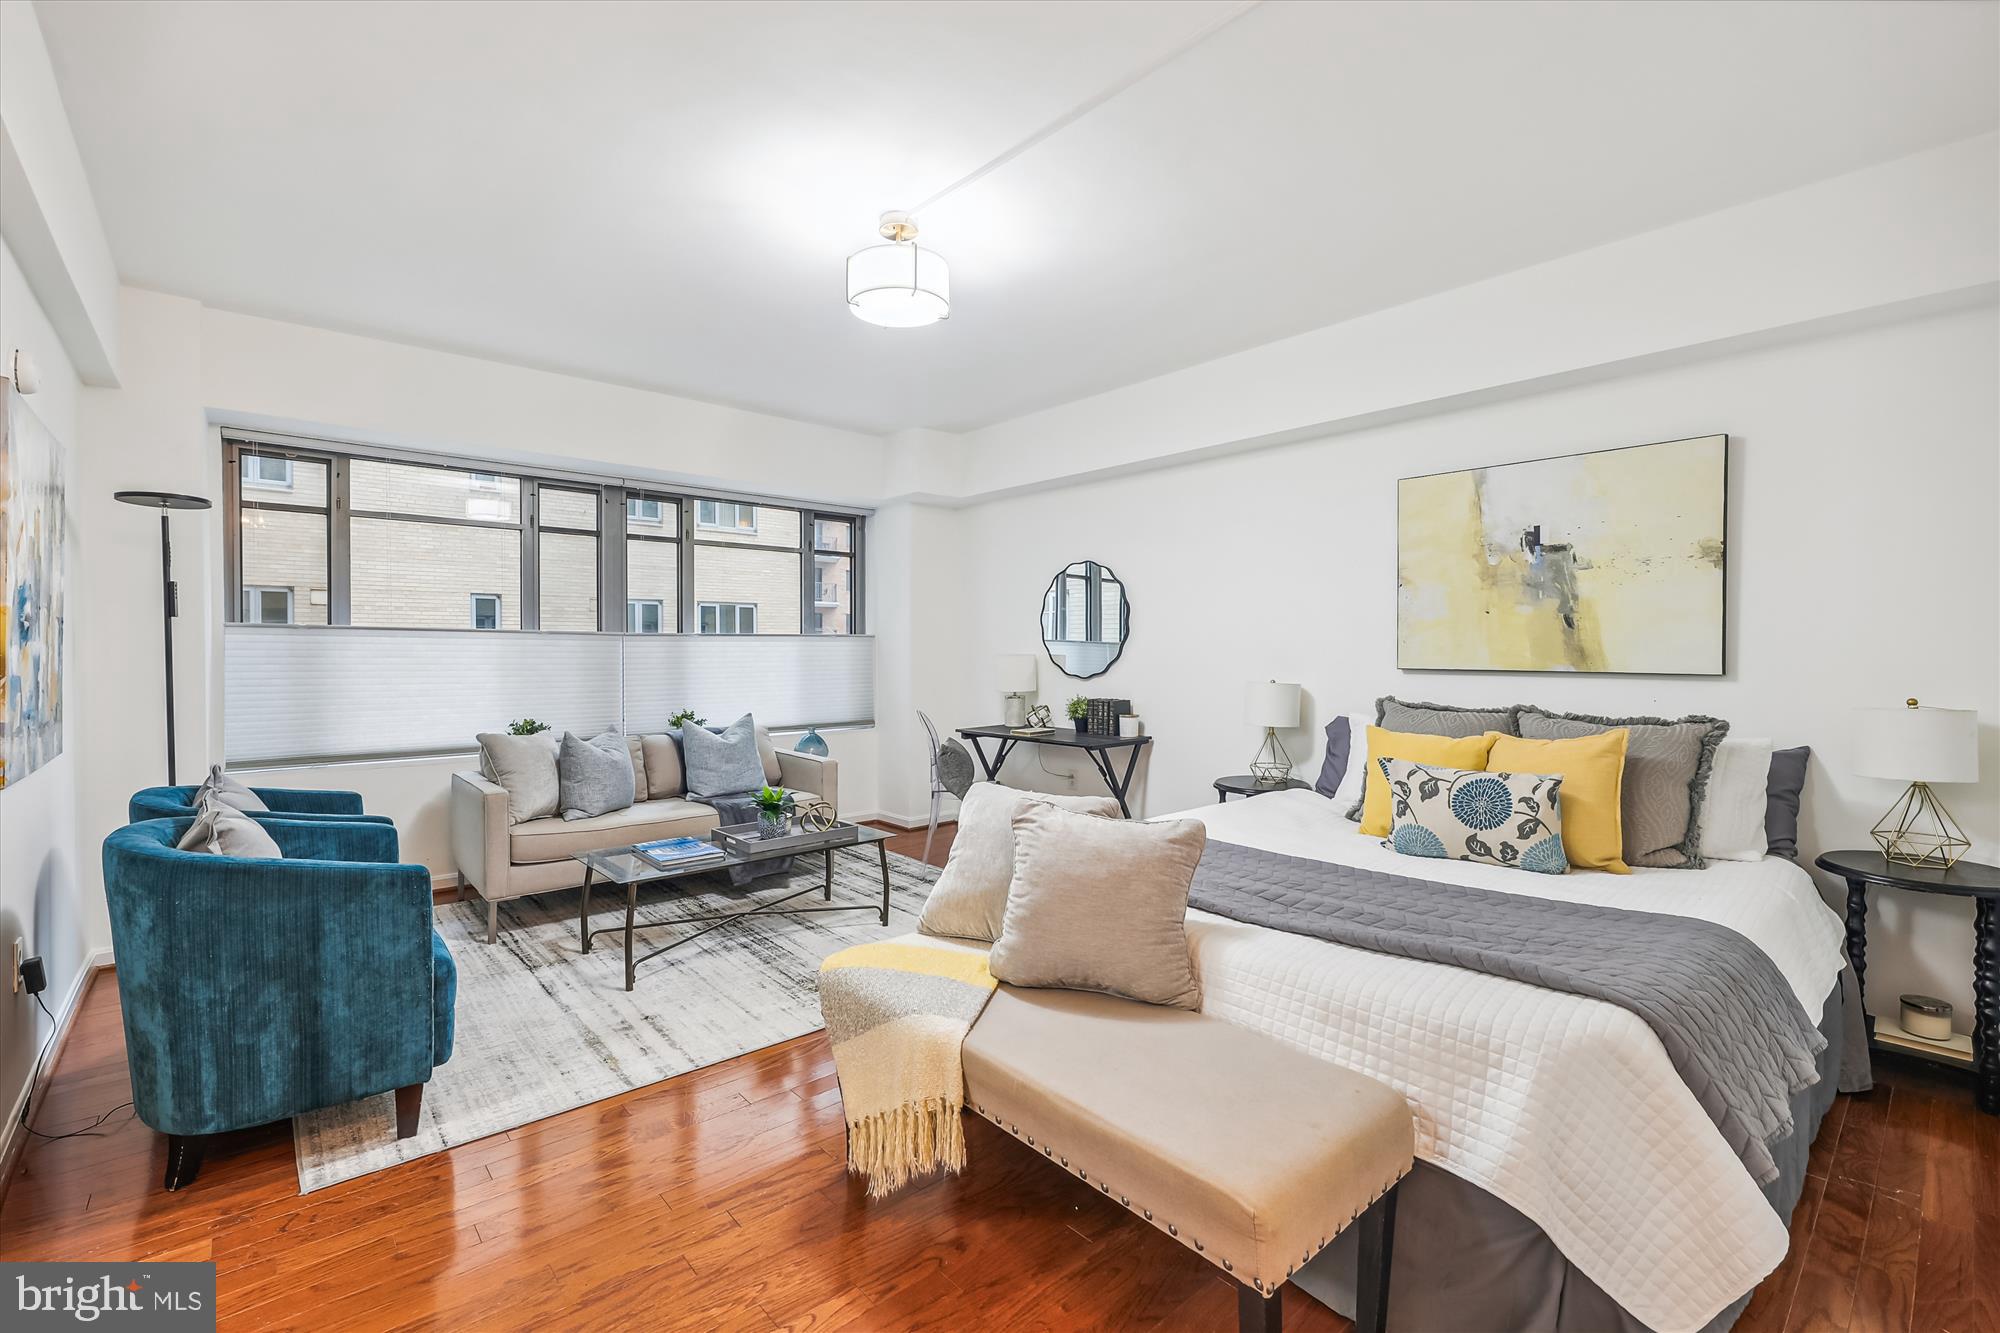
{"x": 14, "y": 966}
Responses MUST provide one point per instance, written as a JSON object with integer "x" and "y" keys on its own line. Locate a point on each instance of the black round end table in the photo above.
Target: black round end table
{"x": 1967, "y": 879}
{"x": 1242, "y": 784}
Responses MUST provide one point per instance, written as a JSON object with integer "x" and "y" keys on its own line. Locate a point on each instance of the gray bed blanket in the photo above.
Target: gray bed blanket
{"x": 1727, "y": 1017}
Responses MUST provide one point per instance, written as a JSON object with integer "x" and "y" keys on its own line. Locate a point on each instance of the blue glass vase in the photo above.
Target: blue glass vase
{"x": 812, "y": 743}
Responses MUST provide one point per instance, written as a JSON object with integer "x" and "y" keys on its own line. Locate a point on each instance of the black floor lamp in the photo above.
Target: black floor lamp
{"x": 170, "y": 602}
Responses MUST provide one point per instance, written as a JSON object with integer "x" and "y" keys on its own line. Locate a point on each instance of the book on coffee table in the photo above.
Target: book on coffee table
{"x": 678, "y": 853}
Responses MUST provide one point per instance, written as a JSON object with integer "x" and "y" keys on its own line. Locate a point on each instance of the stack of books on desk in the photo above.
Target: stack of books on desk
{"x": 680, "y": 853}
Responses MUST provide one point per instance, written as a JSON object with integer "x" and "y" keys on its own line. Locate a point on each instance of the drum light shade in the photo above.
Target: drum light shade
{"x": 1016, "y": 672}
{"x": 1270, "y": 703}
{"x": 1916, "y": 744}
{"x": 898, "y": 286}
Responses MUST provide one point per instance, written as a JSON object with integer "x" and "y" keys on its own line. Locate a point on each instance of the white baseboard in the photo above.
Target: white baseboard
{"x": 13, "y": 1135}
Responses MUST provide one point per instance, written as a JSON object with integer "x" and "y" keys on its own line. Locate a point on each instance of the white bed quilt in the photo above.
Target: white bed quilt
{"x": 1565, "y": 1107}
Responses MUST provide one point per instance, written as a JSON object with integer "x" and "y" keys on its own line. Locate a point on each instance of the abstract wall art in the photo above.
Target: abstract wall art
{"x": 33, "y": 526}
{"x": 1600, "y": 562}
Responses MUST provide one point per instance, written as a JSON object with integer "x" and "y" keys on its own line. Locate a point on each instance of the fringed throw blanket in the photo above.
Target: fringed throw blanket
{"x": 896, "y": 1013}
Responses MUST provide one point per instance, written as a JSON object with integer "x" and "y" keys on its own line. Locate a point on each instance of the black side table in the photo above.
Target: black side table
{"x": 1967, "y": 879}
{"x": 1242, "y": 784}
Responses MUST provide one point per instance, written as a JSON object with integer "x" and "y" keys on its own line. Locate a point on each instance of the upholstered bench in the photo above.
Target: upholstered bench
{"x": 1250, "y": 1153}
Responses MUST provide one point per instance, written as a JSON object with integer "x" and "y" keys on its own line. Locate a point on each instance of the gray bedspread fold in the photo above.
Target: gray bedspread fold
{"x": 1728, "y": 1019}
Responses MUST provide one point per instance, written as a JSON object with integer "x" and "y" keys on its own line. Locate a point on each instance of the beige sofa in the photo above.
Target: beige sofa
{"x": 500, "y": 860}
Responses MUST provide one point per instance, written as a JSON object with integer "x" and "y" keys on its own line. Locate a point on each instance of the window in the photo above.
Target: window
{"x": 643, "y": 616}
{"x": 377, "y": 540}
{"x": 725, "y": 516}
{"x": 728, "y": 618}
{"x": 267, "y": 606}
{"x": 267, "y": 472}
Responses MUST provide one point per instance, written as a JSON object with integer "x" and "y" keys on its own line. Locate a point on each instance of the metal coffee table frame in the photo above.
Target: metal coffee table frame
{"x": 717, "y": 920}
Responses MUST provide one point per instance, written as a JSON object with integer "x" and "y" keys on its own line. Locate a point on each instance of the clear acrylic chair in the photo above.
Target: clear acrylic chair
{"x": 938, "y": 788}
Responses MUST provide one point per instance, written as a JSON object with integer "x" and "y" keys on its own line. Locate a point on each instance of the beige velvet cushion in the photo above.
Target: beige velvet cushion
{"x": 1100, "y": 904}
{"x": 1252, "y": 1152}
{"x": 662, "y": 757}
{"x": 969, "y": 900}
{"x": 642, "y": 787}
{"x": 767, "y": 752}
{"x": 526, "y": 767}
{"x": 555, "y": 838}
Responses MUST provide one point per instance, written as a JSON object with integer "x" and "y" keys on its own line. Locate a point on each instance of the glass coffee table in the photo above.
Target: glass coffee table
{"x": 740, "y": 844}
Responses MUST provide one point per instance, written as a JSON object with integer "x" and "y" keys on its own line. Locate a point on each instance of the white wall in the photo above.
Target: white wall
{"x": 1863, "y": 567}
{"x": 43, "y": 897}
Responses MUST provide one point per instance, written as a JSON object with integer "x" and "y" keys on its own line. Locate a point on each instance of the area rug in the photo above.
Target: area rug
{"x": 543, "y": 1027}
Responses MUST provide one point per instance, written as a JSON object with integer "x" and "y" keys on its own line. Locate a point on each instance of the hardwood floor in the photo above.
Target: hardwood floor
{"x": 718, "y": 1200}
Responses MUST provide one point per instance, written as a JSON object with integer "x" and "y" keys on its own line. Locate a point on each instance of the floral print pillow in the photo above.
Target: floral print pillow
{"x": 1502, "y": 819}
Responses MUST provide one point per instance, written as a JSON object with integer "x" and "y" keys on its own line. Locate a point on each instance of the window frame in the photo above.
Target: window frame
{"x": 736, "y": 610}
{"x": 612, "y": 532}
{"x": 259, "y": 591}
{"x": 659, "y": 605}
{"x": 737, "y": 505}
{"x": 261, "y": 483}
{"x": 499, "y": 609}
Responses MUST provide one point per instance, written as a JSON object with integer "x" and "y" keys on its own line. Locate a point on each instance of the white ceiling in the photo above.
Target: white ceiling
{"x": 663, "y": 195}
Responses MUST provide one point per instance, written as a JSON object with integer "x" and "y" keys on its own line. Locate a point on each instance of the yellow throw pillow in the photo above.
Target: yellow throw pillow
{"x": 1467, "y": 752}
{"x": 1593, "y": 772}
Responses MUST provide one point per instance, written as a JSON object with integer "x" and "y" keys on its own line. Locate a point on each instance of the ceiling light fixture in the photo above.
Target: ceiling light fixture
{"x": 900, "y": 285}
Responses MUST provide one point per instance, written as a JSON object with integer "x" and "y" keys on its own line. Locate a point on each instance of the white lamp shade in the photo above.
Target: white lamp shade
{"x": 1016, "y": 672}
{"x": 1917, "y": 744}
{"x": 898, "y": 286}
{"x": 1269, "y": 703}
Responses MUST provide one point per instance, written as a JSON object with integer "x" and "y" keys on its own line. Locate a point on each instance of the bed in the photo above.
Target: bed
{"x": 1568, "y": 1179}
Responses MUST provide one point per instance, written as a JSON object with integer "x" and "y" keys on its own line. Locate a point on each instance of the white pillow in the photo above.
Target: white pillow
{"x": 969, "y": 900}
{"x": 1348, "y": 794}
{"x": 1732, "y": 815}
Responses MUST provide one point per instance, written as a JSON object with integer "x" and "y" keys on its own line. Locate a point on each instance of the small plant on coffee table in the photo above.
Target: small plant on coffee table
{"x": 774, "y": 805}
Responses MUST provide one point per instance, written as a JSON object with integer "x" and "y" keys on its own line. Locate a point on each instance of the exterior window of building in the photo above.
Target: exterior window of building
{"x": 267, "y": 472}
{"x": 319, "y": 536}
{"x": 728, "y": 618}
{"x": 726, "y": 516}
{"x": 267, "y": 606}
{"x": 568, "y": 559}
{"x": 643, "y": 617}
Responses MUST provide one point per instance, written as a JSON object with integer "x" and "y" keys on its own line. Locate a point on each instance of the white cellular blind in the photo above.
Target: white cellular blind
{"x": 297, "y": 694}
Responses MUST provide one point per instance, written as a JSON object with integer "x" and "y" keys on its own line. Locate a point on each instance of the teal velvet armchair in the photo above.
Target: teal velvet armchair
{"x": 285, "y": 803}
{"x": 256, "y": 989}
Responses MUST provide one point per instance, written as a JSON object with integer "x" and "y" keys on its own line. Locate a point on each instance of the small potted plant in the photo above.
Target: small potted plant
{"x": 525, "y": 726}
{"x": 774, "y": 809}
{"x": 1079, "y": 712}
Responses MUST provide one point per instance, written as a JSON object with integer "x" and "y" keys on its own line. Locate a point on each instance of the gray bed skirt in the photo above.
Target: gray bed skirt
{"x": 1467, "y": 1263}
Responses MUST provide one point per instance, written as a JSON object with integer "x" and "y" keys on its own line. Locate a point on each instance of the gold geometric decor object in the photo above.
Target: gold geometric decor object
{"x": 1919, "y": 831}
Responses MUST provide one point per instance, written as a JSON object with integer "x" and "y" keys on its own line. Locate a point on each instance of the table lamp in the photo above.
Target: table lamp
{"x": 1271, "y": 705}
{"x": 1017, "y": 681}
{"x": 1920, "y": 746}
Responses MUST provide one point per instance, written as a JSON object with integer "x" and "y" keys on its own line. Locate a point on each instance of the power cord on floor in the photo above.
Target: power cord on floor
{"x": 27, "y": 1105}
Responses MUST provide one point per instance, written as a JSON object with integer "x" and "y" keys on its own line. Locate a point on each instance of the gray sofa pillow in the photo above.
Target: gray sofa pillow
{"x": 1781, "y": 810}
{"x": 1100, "y": 905}
{"x": 725, "y": 762}
{"x": 526, "y": 767}
{"x": 222, "y": 830}
{"x": 1667, "y": 762}
{"x": 595, "y": 775}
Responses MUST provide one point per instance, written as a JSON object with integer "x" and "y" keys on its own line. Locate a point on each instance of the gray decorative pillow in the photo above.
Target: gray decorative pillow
{"x": 955, "y": 768}
{"x": 1502, "y": 819}
{"x": 526, "y": 767}
{"x": 969, "y": 900}
{"x": 227, "y": 790}
{"x": 723, "y": 763}
{"x": 1332, "y": 768}
{"x": 222, "y": 830}
{"x": 1667, "y": 762}
{"x": 595, "y": 775}
{"x": 1781, "y": 809}
{"x": 1393, "y": 714}
{"x": 1100, "y": 905}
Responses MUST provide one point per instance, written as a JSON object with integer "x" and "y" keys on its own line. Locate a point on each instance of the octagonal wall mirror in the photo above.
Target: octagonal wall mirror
{"x": 1084, "y": 619}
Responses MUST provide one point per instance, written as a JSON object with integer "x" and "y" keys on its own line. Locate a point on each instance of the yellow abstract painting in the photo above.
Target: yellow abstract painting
{"x": 1609, "y": 561}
